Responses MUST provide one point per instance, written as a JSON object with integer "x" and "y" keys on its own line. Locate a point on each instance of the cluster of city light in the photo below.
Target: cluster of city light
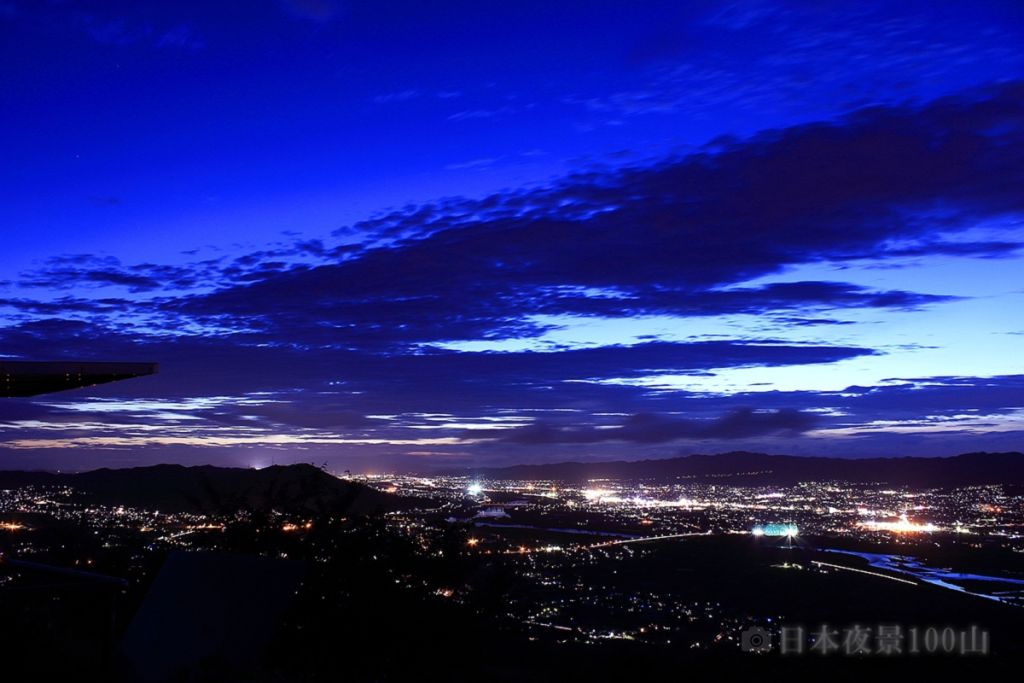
{"x": 655, "y": 503}
{"x": 601, "y": 496}
{"x": 11, "y": 526}
{"x": 900, "y": 526}
{"x": 787, "y": 530}
{"x": 820, "y": 509}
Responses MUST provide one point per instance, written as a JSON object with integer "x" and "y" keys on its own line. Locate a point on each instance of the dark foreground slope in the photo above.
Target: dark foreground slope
{"x": 218, "y": 490}
{"x": 970, "y": 469}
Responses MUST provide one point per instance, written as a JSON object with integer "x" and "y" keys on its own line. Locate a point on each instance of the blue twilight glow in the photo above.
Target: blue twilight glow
{"x": 414, "y": 234}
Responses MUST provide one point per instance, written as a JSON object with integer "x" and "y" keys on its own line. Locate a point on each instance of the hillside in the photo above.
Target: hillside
{"x": 208, "y": 489}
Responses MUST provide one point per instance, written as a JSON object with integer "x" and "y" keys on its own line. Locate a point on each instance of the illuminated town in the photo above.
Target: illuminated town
{"x": 571, "y": 553}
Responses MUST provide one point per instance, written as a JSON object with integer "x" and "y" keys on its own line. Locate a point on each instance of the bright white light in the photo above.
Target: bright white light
{"x": 475, "y": 489}
{"x": 596, "y": 495}
{"x": 903, "y": 526}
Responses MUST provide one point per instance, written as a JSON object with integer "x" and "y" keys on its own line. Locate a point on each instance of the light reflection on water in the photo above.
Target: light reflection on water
{"x": 912, "y": 566}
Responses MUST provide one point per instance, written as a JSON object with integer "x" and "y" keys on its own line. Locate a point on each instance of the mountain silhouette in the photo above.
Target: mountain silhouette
{"x": 740, "y": 467}
{"x": 219, "y": 490}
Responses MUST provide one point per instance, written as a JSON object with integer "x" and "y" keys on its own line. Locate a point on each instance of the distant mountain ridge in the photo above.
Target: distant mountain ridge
{"x": 740, "y": 467}
{"x": 218, "y": 490}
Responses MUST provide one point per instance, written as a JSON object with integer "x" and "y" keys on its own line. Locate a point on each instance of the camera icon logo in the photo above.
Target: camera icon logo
{"x": 755, "y": 639}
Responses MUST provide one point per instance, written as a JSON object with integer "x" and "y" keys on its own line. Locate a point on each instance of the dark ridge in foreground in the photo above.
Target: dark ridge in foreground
{"x": 219, "y": 490}
{"x": 969, "y": 469}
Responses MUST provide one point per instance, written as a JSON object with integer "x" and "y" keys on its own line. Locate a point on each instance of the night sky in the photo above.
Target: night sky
{"x": 387, "y": 234}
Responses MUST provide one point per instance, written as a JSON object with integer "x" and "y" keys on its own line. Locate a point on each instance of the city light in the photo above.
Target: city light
{"x": 597, "y": 527}
{"x": 597, "y": 495}
{"x": 775, "y": 530}
{"x": 901, "y": 526}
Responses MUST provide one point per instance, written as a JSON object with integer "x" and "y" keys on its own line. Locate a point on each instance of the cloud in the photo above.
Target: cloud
{"x": 316, "y": 414}
{"x": 982, "y": 249}
{"x": 194, "y": 364}
{"x": 67, "y": 305}
{"x": 935, "y": 396}
{"x": 400, "y": 96}
{"x": 806, "y": 296}
{"x": 473, "y": 114}
{"x": 71, "y": 271}
{"x": 672, "y": 237}
{"x": 181, "y": 37}
{"x": 361, "y": 325}
{"x": 120, "y": 31}
{"x": 648, "y": 428}
{"x": 482, "y": 162}
{"x": 14, "y": 410}
{"x": 800, "y": 57}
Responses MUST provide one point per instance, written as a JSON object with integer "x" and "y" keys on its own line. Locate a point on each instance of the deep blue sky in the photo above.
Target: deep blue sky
{"x": 406, "y": 234}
